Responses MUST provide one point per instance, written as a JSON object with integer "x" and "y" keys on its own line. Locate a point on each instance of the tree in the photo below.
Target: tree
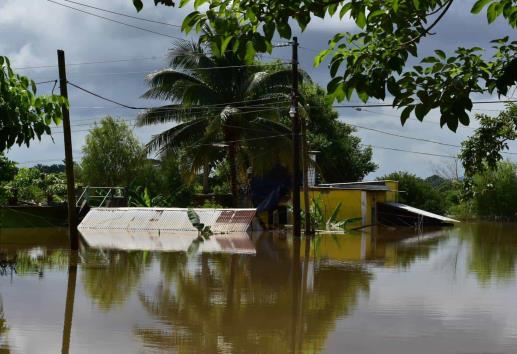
{"x": 8, "y": 169}
{"x": 217, "y": 102}
{"x": 341, "y": 157}
{"x": 495, "y": 193}
{"x": 112, "y": 155}
{"x": 485, "y": 147}
{"x": 373, "y": 59}
{"x": 23, "y": 115}
{"x": 417, "y": 192}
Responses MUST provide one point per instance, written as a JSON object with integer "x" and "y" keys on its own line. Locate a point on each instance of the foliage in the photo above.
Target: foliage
{"x": 416, "y": 192}
{"x": 372, "y": 58}
{"x": 319, "y": 220}
{"x": 139, "y": 198}
{"x": 235, "y": 131}
{"x": 495, "y": 192}
{"x": 8, "y": 169}
{"x": 31, "y": 185}
{"x": 24, "y": 116}
{"x": 340, "y": 155}
{"x": 54, "y": 168}
{"x": 484, "y": 148}
{"x": 203, "y": 231}
{"x": 112, "y": 155}
{"x": 211, "y": 204}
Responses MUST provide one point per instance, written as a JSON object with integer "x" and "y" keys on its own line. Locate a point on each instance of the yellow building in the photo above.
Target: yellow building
{"x": 357, "y": 199}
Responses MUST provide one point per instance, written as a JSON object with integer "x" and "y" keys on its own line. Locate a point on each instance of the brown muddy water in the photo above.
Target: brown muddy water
{"x": 382, "y": 291}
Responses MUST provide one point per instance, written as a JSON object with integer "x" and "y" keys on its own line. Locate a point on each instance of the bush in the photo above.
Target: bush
{"x": 417, "y": 192}
{"x": 495, "y": 192}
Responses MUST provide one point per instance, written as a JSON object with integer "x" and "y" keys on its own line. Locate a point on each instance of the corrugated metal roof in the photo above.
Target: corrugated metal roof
{"x": 168, "y": 241}
{"x": 421, "y": 212}
{"x": 167, "y": 219}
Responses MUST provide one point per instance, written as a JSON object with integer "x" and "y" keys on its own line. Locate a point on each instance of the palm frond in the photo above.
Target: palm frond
{"x": 163, "y": 114}
{"x": 170, "y": 84}
{"x": 181, "y": 134}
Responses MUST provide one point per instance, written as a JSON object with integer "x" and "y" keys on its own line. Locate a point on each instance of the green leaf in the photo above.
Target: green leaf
{"x": 198, "y": 3}
{"x": 441, "y": 54}
{"x": 395, "y": 5}
{"x": 416, "y": 3}
{"x": 183, "y": 3}
{"x": 452, "y": 123}
{"x": 138, "y": 5}
{"x": 479, "y": 5}
{"x": 284, "y": 30}
{"x": 363, "y": 96}
{"x": 225, "y": 43}
{"x": 405, "y": 114}
{"x": 269, "y": 30}
{"x": 361, "y": 19}
{"x": 492, "y": 12}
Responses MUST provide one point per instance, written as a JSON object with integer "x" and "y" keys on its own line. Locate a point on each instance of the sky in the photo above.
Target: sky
{"x": 32, "y": 31}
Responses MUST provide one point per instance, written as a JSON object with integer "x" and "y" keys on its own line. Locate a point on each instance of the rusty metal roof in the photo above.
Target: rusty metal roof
{"x": 167, "y": 219}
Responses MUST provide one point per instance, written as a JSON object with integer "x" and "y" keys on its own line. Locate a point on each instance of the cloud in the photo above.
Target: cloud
{"x": 35, "y": 29}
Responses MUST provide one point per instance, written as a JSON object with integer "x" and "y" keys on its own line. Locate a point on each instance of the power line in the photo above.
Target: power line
{"x": 124, "y": 15}
{"x": 116, "y": 21}
{"x": 197, "y": 69}
{"x": 45, "y": 82}
{"x": 91, "y": 63}
{"x": 159, "y": 108}
{"x": 391, "y": 105}
{"x": 408, "y": 151}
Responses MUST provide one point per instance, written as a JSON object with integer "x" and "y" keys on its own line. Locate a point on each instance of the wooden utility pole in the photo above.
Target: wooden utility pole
{"x": 305, "y": 159}
{"x": 293, "y": 112}
{"x": 69, "y": 160}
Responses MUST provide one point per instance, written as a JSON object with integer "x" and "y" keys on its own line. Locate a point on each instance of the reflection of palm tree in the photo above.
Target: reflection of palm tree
{"x": 244, "y": 305}
{"x": 493, "y": 251}
{"x": 109, "y": 278}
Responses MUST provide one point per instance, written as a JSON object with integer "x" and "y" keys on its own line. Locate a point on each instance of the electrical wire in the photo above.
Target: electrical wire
{"x": 202, "y": 69}
{"x": 91, "y": 63}
{"x": 408, "y": 151}
{"x": 45, "y": 82}
{"x": 158, "y": 108}
{"x": 116, "y": 21}
{"x": 123, "y": 15}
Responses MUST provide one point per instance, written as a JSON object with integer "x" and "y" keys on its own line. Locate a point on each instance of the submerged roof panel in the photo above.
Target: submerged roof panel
{"x": 167, "y": 219}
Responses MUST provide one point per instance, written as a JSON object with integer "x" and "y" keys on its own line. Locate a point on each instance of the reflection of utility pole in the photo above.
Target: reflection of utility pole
{"x": 70, "y": 298}
{"x": 69, "y": 160}
{"x": 296, "y": 283}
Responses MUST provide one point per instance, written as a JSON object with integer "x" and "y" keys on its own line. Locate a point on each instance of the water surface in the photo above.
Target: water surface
{"x": 378, "y": 291}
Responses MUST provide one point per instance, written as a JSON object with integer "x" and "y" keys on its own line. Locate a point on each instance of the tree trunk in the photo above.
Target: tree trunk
{"x": 232, "y": 160}
{"x": 206, "y": 174}
{"x": 229, "y": 138}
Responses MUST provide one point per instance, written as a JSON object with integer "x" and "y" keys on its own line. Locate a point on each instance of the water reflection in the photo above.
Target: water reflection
{"x": 110, "y": 277}
{"x": 288, "y": 296}
{"x": 278, "y": 301}
{"x": 493, "y": 251}
{"x": 4, "y": 348}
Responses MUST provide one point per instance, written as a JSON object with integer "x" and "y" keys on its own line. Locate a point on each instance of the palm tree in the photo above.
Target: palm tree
{"x": 217, "y": 101}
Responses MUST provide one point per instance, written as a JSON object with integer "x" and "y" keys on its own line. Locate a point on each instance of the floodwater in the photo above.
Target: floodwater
{"x": 382, "y": 291}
